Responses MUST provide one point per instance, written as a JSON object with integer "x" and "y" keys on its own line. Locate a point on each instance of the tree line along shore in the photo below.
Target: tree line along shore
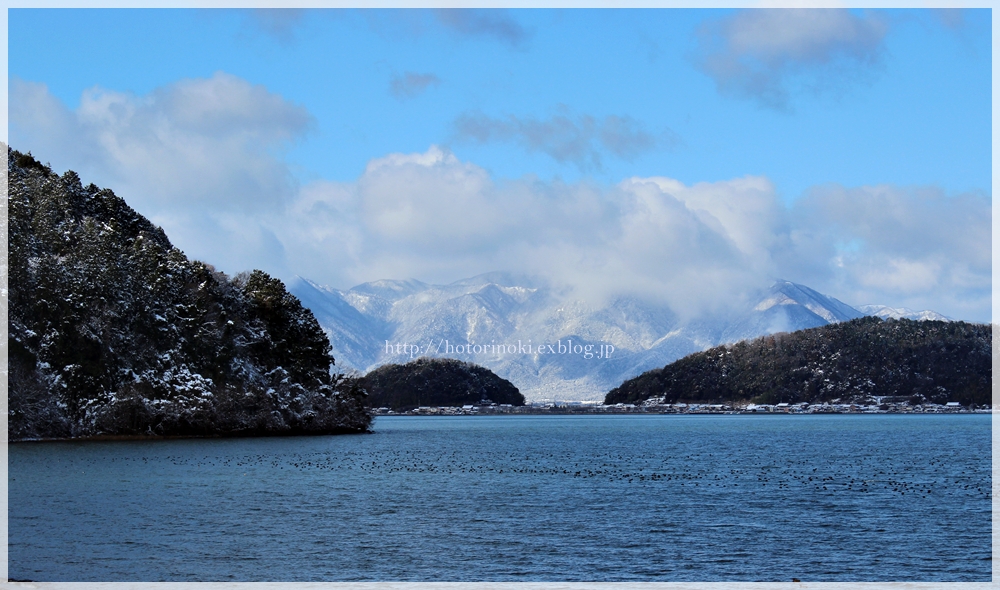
{"x": 683, "y": 408}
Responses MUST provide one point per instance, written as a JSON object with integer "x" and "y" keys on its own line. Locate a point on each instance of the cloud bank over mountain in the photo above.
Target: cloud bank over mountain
{"x": 205, "y": 158}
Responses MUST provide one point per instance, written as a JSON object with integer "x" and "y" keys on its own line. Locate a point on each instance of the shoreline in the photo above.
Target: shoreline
{"x": 679, "y": 409}
{"x": 575, "y": 410}
{"x": 159, "y": 437}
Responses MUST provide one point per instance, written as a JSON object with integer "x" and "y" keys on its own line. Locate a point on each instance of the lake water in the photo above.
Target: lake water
{"x": 518, "y": 498}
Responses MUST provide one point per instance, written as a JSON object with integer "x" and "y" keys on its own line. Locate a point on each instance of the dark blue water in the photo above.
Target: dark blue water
{"x": 518, "y": 498}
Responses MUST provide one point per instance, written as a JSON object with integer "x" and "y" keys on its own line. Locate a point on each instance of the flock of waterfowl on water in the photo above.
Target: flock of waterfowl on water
{"x": 695, "y": 473}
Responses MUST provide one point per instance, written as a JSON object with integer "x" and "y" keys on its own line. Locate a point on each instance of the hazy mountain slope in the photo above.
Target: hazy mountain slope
{"x": 355, "y": 336}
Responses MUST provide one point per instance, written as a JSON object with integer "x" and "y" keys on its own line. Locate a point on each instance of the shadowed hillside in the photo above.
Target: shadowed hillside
{"x": 922, "y": 360}
{"x": 437, "y": 382}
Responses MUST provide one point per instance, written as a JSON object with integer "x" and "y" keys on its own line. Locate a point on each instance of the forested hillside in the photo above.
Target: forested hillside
{"x": 113, "y": 331}
{"x": 437, "y": 382}
{"x": 920, "y": 360}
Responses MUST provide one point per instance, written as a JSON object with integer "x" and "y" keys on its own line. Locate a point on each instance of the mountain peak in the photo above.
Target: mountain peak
{"x": 831, "y": 310}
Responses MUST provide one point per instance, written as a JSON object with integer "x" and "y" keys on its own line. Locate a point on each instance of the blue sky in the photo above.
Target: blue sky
{"x": 848, "y": 150}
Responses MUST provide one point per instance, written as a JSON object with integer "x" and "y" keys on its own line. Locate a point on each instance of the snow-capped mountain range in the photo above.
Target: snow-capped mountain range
{"x": 886, "y": 312}
{"x": 549, "y": 347}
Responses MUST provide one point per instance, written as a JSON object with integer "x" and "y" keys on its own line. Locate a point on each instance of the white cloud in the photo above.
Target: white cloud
{"x": 432, "y": 216}
{"x": 914, "y": 247}
{"x": 429, "y": 201}
{"x": 205, "y": 141}
{"x": 190, "y": 154}
{"x": 757, "y": 53}
{"x": 39, "y": 122}
{"x": 745, "y": 210}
